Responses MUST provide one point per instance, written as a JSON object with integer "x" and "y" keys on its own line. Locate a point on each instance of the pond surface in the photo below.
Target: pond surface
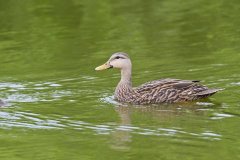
{"x": 58, "y": 107}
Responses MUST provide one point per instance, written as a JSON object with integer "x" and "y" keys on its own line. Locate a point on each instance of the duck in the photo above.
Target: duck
{"x": 158, "y": 91}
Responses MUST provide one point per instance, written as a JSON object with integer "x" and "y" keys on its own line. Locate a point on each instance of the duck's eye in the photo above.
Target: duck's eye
{"x": 117, "y": 57}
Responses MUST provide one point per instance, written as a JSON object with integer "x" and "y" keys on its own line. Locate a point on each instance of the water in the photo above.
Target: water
{"x": 58, "y": 107}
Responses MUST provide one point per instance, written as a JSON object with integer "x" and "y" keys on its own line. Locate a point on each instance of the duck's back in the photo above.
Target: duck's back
{"x": 172, "y": 90}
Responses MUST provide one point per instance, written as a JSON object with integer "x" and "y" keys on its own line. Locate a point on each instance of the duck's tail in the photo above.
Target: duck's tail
{"x": 207, "y": 93}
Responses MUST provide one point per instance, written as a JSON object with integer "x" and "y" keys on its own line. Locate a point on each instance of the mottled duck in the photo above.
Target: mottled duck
{"x": 157, "y": 91}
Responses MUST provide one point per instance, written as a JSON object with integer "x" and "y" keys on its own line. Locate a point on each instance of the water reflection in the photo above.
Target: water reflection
{"x": 122, "y": 134}
{"x": 37, "y": 92}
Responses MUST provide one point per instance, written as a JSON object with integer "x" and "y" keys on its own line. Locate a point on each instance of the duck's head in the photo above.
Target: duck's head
{"x": 117, "y": 60}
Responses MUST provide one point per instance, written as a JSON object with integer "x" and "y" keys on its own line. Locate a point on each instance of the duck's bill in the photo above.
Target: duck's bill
{"x": 103, "y": 67}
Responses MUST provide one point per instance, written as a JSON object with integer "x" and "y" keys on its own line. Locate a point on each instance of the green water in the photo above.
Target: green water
{"x": 58, "y": 107}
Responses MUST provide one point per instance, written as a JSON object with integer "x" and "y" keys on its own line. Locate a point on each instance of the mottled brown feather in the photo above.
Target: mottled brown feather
{"x": 158, "y": 91}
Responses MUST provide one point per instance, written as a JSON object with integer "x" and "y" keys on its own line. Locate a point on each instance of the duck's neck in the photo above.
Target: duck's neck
{"x": 126, "y": 77}
{"x": 124, "y": 87}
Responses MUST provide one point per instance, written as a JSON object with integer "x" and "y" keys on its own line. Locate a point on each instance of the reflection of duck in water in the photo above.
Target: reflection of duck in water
{"x": 122, "y": 135}
{"x": 135, "y": 120}
{"x": 158, "y": 91}
{"x": 1, "y": 103}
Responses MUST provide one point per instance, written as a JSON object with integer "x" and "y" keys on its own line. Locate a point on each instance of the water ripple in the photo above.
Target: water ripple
{"x": 15, "y": 92}
{"x": 221, "y": 116}
{"x": 36, "y": 121}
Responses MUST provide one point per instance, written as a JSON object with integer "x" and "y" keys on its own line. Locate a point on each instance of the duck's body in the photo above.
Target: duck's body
{"x": 163, "y": 91}
{"x": 158, "y": 91}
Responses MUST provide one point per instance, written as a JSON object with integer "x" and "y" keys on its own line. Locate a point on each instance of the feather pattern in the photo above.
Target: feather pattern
{"x": 163, "y": 91}
{"x": 157, "y": 91}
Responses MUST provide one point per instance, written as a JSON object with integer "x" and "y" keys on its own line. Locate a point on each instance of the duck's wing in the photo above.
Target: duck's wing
{"x": 173, "y": 90}
{"x": 165, "y": 83}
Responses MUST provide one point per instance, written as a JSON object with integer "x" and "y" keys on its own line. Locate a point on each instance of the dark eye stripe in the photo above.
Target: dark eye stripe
{"x": 118, "y": 57}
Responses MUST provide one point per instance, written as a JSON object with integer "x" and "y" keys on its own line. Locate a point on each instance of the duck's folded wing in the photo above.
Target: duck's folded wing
{"x": 166, "y": 83}
{"x": 173, "y": 90}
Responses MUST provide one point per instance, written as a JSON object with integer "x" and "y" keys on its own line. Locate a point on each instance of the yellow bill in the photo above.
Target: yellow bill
{"x": 103, "y": 67}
